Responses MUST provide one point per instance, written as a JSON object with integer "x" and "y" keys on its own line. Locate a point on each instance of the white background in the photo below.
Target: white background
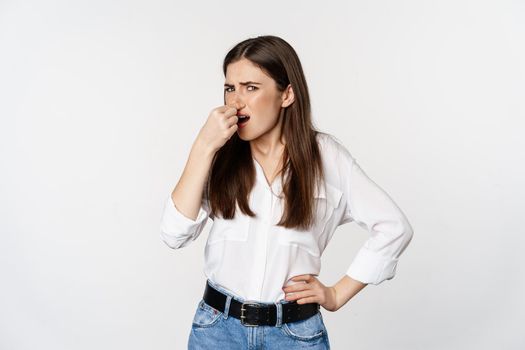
{"x": 100, "y": 102}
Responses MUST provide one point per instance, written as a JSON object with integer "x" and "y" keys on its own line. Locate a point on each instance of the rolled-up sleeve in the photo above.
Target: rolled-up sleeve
{"x": 177, "y": 230}
{"x": 374, "y": 210}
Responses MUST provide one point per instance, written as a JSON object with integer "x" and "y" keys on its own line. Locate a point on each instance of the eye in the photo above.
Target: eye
{"x": 249, "y": 86}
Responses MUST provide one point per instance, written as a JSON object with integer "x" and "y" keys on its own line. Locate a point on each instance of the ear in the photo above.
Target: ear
{"x": 287, "y": 96}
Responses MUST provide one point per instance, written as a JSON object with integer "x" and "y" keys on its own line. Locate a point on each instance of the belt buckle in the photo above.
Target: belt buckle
{"x": 251, "y": 303}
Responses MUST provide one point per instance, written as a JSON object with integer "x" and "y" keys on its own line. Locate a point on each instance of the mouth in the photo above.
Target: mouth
{"x": 243, "y": 119}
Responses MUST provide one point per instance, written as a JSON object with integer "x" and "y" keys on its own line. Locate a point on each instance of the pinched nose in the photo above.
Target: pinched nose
{"x": 237, "y": 105}
{"x": 235, "y": 98}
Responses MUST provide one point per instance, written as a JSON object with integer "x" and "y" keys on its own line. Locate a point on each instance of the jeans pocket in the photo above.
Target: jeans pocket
{"x": 309, "y": 329}
{"x": 205, "y": 316}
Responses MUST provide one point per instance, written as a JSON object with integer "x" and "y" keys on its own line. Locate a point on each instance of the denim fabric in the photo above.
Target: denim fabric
{"x": 212, "y": 329}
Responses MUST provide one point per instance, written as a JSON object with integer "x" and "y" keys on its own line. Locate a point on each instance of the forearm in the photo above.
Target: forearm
{"x": 345, "y": 290}
{"x": 188, "y": 192}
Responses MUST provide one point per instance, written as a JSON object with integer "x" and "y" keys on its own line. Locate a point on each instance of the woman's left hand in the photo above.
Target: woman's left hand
{"x": 312, "y": 291}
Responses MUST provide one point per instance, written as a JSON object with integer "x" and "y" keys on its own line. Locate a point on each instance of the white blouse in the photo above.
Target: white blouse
{"x": 254, "y": 259}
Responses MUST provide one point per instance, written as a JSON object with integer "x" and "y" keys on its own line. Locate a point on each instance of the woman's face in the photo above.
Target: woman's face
{"x": 247, "y": 84}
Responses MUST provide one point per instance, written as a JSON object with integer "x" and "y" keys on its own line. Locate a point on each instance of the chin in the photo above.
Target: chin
{"x": 247, "y": 139}
{"x": 246, "y": 135}
{"x": 250, "y": 136}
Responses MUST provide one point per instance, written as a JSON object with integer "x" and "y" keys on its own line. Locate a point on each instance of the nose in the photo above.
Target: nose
{"x": 235, "y": 100}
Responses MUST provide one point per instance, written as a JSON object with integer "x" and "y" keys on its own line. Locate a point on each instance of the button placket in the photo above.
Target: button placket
{"x": 263, "y": 234}
{"x": 260, "y": 254}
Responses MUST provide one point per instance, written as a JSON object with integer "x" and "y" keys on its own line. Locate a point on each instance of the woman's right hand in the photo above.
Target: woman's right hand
{"x": 220, "y": 126}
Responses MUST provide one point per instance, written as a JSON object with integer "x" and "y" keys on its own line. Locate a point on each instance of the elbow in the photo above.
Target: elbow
{"x": 408, "y": 231}
{"x": 170, "y": 241}
{"x": 398, "y": 228}
{"x": 179, "y": 237}
{"x": 174, "y": 240}
{"x": 403, "y": 230}
{"x": 405, "y": 237}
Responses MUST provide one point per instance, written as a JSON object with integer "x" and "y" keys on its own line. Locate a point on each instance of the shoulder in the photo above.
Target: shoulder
{"x": 333, "y": 150}
{"x": 337, "y": 161}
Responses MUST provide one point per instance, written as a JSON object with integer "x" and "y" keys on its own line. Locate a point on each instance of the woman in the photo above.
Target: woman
{"x": 276, "y": 190}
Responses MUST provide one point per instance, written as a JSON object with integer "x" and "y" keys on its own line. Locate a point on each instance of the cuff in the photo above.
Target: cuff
{"x": 178, "y": 230}
{"x": 371, "y": 268}
{"x": 175, "y": 216}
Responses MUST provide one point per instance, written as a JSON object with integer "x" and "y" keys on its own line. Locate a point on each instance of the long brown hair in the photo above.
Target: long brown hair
{"x": 232, "y": 174}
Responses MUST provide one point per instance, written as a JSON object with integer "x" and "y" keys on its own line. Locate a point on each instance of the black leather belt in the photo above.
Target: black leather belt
{"x": 257, "y": 314}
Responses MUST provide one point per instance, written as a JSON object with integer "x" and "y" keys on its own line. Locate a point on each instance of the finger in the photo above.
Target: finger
{"x": 233, "y": 129}
{"x": 236, "y": 105}
{"x": 299, "y": 295}
{"x": 295, "y": 288}
{"x": 231, "y": 121}
{"x": 225, "y": 108}
{"x": 230, "y": 111}
{"x": 305, "y": 278}
{"x": 299, "y": 285}
{"x": 311, "y": 299}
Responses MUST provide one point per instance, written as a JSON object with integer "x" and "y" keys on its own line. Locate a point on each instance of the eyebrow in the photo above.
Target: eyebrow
{"x": 244, "y": 83}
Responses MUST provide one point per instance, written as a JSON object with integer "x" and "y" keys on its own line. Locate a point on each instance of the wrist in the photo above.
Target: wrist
{"x": 333, "y": 290}
{"x": 331, "y": 302}
{"x": 203, "y": 149}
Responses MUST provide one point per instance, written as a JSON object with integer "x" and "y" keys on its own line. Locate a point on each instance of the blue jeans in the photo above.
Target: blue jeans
{"x": 212, "y": 329}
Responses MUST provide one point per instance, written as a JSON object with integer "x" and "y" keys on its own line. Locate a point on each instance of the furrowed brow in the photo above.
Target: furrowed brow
{"x": 244, "y": 83}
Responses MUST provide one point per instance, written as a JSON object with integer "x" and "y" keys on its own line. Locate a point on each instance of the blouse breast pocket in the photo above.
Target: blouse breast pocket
{"x": 326, "y": 201}
{"x": 235, "y": 229}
